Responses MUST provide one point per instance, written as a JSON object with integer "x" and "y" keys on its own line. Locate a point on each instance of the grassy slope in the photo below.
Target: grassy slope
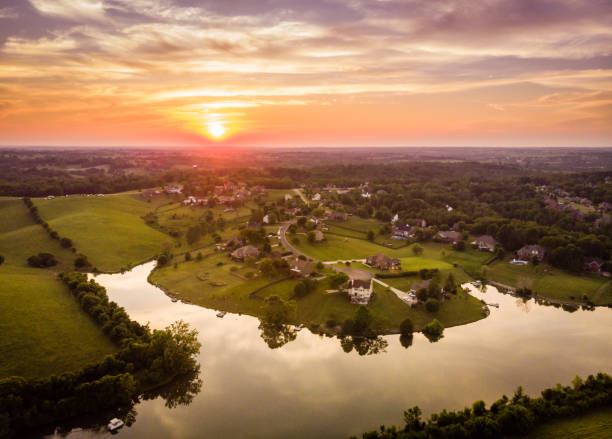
{"x": 43, "y": 329}
{"x": 109, "y": 230}
{"x": 595, "y": 425}
{"x": 552, "y": 282}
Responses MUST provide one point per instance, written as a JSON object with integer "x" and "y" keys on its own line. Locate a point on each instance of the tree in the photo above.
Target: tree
{"x": 433, "y": 330}
{"x": 276, "y": 311}
{"x": 337, "y": 279}
{"x": 459, "y": 246}
{"x": 310, "y": 236}
{"x": 406, "y": 327}
{"x": 42, "y": 260}
{"x": 81, "y": 261}
{"x": 187, "y": 256}
{"x": 363, "y": 318}
{"x": 199, "y": 257}
{"x": 66, "y": 242}
{"x": 450, "y": 286}
{"x": 432, "y": 305}
{"x": 193, "y": 235}
{"x": 417, "y": 250}
{"x": 371, "y": 235}
{"x": 1, "y": 259}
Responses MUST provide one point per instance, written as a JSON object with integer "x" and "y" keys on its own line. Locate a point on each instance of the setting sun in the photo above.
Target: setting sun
{"x": 216, "y": 130}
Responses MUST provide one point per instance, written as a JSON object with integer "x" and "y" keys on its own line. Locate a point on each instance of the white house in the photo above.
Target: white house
{"x": 360, "y": 291}
{"x": 316, "y": 197}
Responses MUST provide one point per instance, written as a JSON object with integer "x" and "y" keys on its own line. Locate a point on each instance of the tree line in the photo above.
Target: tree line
{"x": 146, "y": 359}
{"x": 515, "y": 416}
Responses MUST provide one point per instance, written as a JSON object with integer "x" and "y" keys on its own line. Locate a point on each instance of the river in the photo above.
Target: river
{"x": 312, "y": 388}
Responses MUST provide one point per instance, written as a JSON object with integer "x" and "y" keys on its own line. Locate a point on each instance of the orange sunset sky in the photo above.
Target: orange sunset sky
{"x": 311, "y": 73}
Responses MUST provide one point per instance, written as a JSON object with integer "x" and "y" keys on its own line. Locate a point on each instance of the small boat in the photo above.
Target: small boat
{"x": 299, "y": 327}
{"x": 174, "y": 299}
{"x": 115, "y": 424}
{"x": 220, "y": 314}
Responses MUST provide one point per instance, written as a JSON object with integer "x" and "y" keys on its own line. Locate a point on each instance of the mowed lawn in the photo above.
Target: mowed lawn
{"x": 552, "y": 282}
{"x": 213, "y": 283}
{"x": 109, "y": 230}
{"x": 43, "y": 329}
{"x": 595, "y": 425}
{"x": 319, "y": 307}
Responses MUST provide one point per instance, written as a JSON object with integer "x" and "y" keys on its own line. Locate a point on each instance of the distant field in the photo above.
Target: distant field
{"x": 108, "y": 230}
{"x": 21, "y": 237}
{"x": 595, "y": 425}
{"x": 552, "y": 282}
{"x": 44, "y": 331}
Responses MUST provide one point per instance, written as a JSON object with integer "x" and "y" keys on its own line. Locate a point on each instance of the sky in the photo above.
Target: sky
{"x": 306, "y": 73}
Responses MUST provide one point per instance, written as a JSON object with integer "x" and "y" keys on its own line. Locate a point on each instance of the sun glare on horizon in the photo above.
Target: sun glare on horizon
{"x": 216, "y": 130}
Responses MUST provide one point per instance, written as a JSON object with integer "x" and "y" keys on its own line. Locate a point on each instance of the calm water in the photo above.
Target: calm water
{"x": 311, "y": 388}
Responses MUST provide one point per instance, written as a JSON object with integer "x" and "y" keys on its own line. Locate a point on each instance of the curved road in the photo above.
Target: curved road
{"x": 353, "y": 273}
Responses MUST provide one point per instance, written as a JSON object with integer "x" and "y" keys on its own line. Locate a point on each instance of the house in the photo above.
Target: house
{"x": 225, "y": 199}
{"x": 366, "y": 195}
{"x": 319, "y": 236}
{"x": 419, "y": 285}
{"x": 448, "y": 236}
{"x": 420, "y": 223}
{"x": 266, "y": 219}
{"x": 485, "y": 242}
{"x": 593, "y": 264}
{"x": 288, "y": 197}
{"x": 360, "y": 291}
{"x": 383, "y": 262}
{"x": 395, "y": 218}
{"x": 316, "y": 197}
{"x": 300, "y": 268}
{"x": 173, "y": 189}
{"x": 248, "y": 251}
{"x": 402, "y": 231}
{"x": 605, "y": 206}
{"x": 234, "y": 241}
{"x": 338, "y": 216}
{"x": 148, "y": 193}
{"x": 529, "y": 252}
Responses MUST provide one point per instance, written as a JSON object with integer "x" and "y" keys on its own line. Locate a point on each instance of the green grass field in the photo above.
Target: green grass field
{"x": 44, "y": 331}
{"x": 108, "y": 230}
{"x": 211, "y": 285}
{"x": 595, "y": 425}
{"x": 21, "y": 237}
{"x": 552, "y": 282}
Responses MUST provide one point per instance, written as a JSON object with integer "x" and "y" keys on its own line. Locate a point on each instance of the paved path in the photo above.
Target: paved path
{"x": 402, "y": 295}
{"x": 353, "y": 273}
{"x": 301, "y": 195}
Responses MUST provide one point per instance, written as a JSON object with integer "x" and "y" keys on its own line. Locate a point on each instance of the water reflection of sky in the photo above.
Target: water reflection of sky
{"x": 311, "y": 388}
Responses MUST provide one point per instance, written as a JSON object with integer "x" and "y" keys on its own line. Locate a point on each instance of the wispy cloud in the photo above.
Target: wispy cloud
{"x": 453, "y": 66}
